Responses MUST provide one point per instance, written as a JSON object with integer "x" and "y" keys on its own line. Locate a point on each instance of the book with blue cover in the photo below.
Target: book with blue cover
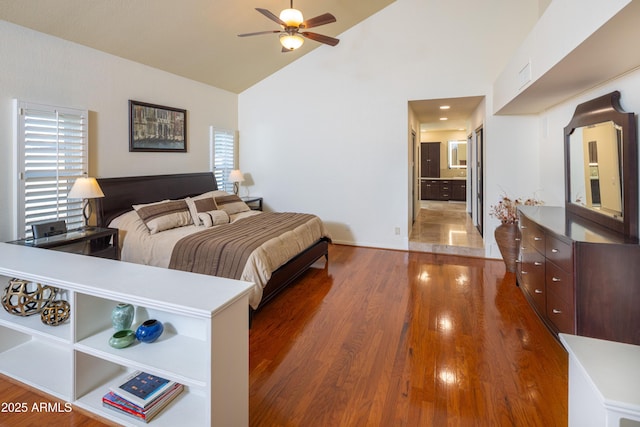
{"x": 143, "y": 388}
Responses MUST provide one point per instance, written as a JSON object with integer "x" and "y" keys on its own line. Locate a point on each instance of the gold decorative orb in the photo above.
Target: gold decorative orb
{"x": 55, "y": 313}
{"x": 24, "y": 298}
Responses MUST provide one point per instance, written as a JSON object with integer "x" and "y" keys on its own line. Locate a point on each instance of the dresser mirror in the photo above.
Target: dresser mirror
{"x": 601, "y": 165}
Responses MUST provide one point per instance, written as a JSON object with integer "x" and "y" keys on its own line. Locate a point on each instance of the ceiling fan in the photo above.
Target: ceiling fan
{"x": 293, "y": 25}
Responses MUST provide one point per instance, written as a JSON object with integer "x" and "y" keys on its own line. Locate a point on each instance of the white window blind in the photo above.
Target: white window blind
{"x": 52, "y": 153}
{"x": 224, "y": 152}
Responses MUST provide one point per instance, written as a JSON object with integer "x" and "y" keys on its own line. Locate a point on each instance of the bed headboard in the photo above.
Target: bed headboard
{"x": 120, "y": 193}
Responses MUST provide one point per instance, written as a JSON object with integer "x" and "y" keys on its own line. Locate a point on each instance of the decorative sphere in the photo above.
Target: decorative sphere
{"x": 55, "y": 313}
{"x": 24, "y": 298}
{"x": 149, "y": 331}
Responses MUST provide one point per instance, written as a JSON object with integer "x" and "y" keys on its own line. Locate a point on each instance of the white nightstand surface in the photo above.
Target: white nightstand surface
{"x": 612, "y": 367}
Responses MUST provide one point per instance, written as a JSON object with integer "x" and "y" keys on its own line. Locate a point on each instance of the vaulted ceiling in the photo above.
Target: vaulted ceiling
{"x": 196, "y": 39}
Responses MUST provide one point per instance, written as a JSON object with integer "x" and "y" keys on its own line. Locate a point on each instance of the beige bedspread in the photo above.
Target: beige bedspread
{"x": 143, "y": 248}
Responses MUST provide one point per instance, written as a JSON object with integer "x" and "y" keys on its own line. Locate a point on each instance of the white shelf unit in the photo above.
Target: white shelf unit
{"x": 604, "y": 382}
{"x": 205, "y": 344}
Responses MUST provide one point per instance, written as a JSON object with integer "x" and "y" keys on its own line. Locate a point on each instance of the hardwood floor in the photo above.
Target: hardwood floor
{"x": 391, "y": 338}
{"x": 386, "y": 338}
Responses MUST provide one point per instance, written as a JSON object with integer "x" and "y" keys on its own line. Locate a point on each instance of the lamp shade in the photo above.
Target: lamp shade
{"x": 291, "y": 41}
{"x": 291, "y": 17}
{"x": 236, "y": 176}
{"x": 85, "y": 188}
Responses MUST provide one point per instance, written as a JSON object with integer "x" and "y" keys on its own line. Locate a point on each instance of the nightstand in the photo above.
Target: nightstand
{"x": 255, "y": 203}
{"x": 92, "y": 241}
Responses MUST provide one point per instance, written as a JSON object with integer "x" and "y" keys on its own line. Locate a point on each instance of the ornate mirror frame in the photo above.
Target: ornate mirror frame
{"x": 599, "y": 110}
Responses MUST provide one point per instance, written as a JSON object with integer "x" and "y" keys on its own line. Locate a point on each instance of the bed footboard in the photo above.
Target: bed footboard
{"x": 288, "y": 273}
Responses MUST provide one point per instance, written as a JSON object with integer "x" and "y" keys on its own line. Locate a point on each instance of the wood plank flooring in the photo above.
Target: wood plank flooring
{"x": 391, "y": 338}
{"x": 388, "y": 338}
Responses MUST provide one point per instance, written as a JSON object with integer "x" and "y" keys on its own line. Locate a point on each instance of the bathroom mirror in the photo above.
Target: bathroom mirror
{"x": 601, "y": 165}
{"x": 457, "y": 154}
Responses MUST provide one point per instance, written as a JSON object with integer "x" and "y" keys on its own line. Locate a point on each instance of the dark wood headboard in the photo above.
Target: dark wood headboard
{"x": 123, "y": 192}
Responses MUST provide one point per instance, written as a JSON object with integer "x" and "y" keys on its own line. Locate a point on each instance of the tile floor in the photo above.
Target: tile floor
{"x": 446, "y": 228}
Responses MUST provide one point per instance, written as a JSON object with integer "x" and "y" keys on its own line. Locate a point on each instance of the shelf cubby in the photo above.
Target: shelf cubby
{"x": 90, "y": 390}
{"x": 41, "y": 363}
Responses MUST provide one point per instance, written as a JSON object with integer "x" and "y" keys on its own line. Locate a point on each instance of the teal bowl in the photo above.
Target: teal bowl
{"x": 122, "y": 339}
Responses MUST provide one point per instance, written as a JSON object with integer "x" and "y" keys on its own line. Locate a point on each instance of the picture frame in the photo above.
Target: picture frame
{"x": 157, "y": 128}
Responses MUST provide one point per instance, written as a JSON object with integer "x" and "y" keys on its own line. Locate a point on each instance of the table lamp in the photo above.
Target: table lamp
{"x": 85, "y": 188}
{"x": 236, "y": 177}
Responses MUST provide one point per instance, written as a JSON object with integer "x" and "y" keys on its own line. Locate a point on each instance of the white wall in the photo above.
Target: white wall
{"x": 39, "y": 68}
{"x": 556, "y": 118}
{"x": 511, "y": 165}
{"x": 328, "y": 133}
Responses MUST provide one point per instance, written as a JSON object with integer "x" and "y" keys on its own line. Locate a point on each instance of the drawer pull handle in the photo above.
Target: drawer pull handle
{"x": 556, "y": 311}
{"x": 555, "y": 251}
{"x": 524, "y": 272}
{"x": 517, "y": 239}
{"x": 538, "y": 291}
{"x": 523, "y": 227}
{"x": 537, "y": 239}
{"x": 555, "y": 279}
{"x": 537, "y": 263}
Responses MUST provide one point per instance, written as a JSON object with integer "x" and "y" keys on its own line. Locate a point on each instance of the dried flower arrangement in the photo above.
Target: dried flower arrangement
{"x": 507, "y": 208}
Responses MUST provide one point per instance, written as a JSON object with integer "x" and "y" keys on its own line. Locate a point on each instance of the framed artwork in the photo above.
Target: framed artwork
{"x": 157, "y": 128}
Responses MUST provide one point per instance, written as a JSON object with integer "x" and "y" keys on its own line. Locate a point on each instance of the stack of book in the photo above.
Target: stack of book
{"x": 142, "y": 395}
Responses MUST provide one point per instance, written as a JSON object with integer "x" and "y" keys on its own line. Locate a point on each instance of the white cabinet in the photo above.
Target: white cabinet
{"x": 604, "y": 382}
{"x": 204, "y": 345}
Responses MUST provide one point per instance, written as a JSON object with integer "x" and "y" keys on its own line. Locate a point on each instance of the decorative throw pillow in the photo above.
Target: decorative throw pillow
{"x": 164, "y": 215}
{"x": 211, "y": 218}
{"x": 231, "y": 204}
{"x": 202, "y": 203}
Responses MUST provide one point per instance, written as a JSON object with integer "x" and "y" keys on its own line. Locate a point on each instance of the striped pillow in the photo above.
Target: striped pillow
{"x": 164, "y": 215}
{"x": 231, "y": 204}
{"x": 200, "y": 204}
{"x": 215, "y": 217}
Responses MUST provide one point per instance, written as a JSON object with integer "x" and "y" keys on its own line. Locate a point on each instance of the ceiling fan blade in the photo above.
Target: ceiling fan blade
{"x": 259, "y": 33}
{"x": 271, "y": 16}
{"x": 320, "y": 38}
{"x": 323, "y": 19}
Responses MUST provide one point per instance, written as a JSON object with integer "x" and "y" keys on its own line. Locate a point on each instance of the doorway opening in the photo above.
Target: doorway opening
{"x": 446, "y": 175}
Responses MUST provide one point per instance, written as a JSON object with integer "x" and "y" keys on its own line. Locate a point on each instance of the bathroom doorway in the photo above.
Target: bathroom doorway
{"x": 442, "y": 197}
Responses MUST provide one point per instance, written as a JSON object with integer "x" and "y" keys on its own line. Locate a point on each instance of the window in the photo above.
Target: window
{"x": 52, "y": 147}
{"x": 223, "y": 151}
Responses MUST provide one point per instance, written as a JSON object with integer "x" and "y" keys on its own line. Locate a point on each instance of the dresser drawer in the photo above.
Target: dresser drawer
{"x": 532, "y": 235}
{"x": 559, "y": 281}
{"x": 532, "y": 270}
{"x": 560, "y": 253}
{"x": 561, "y": 313}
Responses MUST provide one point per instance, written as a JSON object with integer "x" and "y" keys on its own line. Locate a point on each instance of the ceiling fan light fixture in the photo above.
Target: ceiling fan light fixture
{"x": 291, "y": 41}
{"x": 291, "y": 17}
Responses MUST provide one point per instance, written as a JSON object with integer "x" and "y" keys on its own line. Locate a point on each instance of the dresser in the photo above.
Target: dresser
{"x": 579, "y": 277}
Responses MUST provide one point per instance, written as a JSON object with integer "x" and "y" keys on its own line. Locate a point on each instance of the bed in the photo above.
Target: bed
{"x": 271, "y": 261}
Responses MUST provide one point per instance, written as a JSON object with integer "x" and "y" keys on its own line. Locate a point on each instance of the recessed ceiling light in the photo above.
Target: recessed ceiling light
{"x": 443, "y": 118}
{"x": 444, "y": 107}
